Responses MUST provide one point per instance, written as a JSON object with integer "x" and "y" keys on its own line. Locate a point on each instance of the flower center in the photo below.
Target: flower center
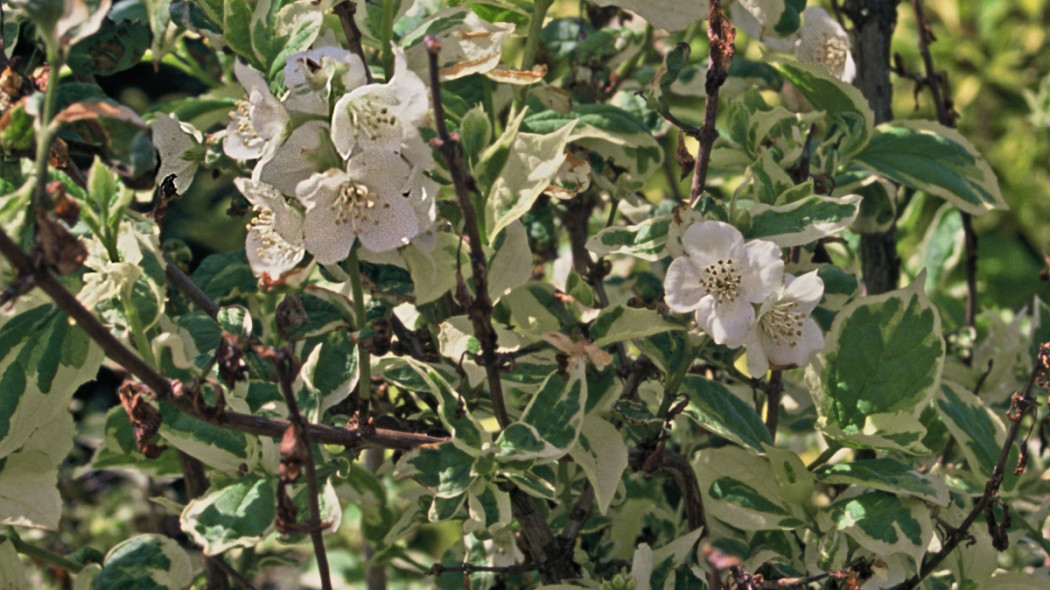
{"x": 783, "y": 324}
{"x": 243, "y": 125}
{"x": 369, "y": 117}
{"x": 355, "y": 205}
{"x": 268, "y": 245}
{"x": 835, "y": 52}
{"x": 721, "y": 280}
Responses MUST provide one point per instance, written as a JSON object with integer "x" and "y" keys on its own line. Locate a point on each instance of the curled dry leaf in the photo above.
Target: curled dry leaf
{"x": 61, "y": 250}
{"x": 294, "y": 454}
{"x": 145, "y": 419}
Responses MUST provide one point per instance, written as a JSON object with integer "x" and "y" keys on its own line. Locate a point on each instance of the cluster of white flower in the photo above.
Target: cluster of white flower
{"x": 820, "y": 39}
{"x": 338, "y": 160}
{"x": 742, "y": 296}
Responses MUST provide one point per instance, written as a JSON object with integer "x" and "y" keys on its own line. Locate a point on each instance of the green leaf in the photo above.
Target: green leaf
{"x": 313, "y": 312}
{"x": 489, "y": 509}
{"x": 803, "y": 221}
{"x": 739, "y": 488}
{"x": 329, "y": 374}
{"x": 883, "y": 363}
{"x": 602, "y": 454}
{"x": 883, "y": 523}
{"x": 237, "y": 515}
{"x": 936, "y": 159}
{"x": 795, "y": 481}
{"x": 145, "y": 562}
{"x": 619, "y": 322}
{"x": 29, "y": 493}
{"x": 714, "y": 407}
{"x": 979, "y": 432}
{"x": 611, "y": 131}
{"x": 535, "y": 309}
{"x": 829, "y": 94}
{"x": 886, "y": 474}
{"x": 550, "y": 424}
{"x": 119, "y": 449}
{"x": 475, "y": 131}
{"x": 943, "y": 245}
{"x": 236, "y": 30}
{"x": 443, "y": 469}
{"x": 670, "y": 15}
{"x": 666, "y": 350}
{"x": 225, "y": 278}
{"x": 530, "y": 166}
{"x": 12, "y": 574}
{"x": 512, "y": 265}
{"x": 221, "y": 448}
{"x": 114, "y": 48}
{"x": 645, "y": 240}
{"x": 429, "y": 266}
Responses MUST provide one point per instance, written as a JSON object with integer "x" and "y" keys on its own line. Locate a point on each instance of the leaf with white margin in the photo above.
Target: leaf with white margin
{"x": 531, "y": 164}
{"x": 145, "y": 562}
{"x": 881, "y": 523}
{"x": 533, "y": 310}
{"x": 119, "y": 450}
{"x": 467, "y": 433}
{"x": 489, "y": 508}
{"x": 645, "y": 240}
{"x": 12, "y": 576}
{"x": 669, "y": 15}
{"x": 829, "y": 94}
{"x": 44, "y": 357}
{"x": 739, "y": 487}
{"x": 237, "y": 515}
{"x": 883, "y": 362}
{"x": 619, "y": 322}
{"x": 803, "y": 221}
{"x": 511, "y": 265}
{"x": 714, "y": 407}
{"x": 613, "y": 132}
{"x": 602, "y": 454}
{"x": 551, "y": 422}
{"x": 931, "y": 157}
{"x": 647, "y": 563}
{"x": 886, "y": 474}
{"x": 223, "y": 449}
{"x": 979, "y": 432}
{"x": 795, "y": 481}
{"x": 443, "y": 469}
{"x": 429, "y": 266}
{"x": 328, "y": 374}
{"x": 1019, "y": 581}
{"x": 469, "y": 44}
{"x": 29, "y": 476}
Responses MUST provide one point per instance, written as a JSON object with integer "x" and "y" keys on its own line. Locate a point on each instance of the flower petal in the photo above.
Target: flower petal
{"x": 709, "y": 241}
{"x": 728, "y": 322}
{"x": 807, "y": 290}
{"x": 327, "y": 234}
{"x": 682, "y": 290}
{"x": 764, "y": 270}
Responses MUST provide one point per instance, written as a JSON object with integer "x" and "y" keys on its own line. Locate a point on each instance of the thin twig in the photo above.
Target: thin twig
{"x": 773, "y": 394}
{"x": 580, "y": 511}
{"x": 678, "y": 468}
{"x": 187, "y": 286}
{"x": 480, "y": 308}
{"x": 345, "y": 11}
{"x": 720, "y": 35}
{"x": 1024, "y": 403}
{"x": 237, "y": 577}
{"x": 284, "y": 365}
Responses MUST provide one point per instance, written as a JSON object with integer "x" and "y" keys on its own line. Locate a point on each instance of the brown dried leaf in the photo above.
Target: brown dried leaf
{"x": 61, "y": 250}
{"x": 145, "y": 419}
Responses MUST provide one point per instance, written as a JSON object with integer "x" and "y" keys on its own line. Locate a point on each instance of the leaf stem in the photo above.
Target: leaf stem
{"x": 48, "y": 557}
{"x": 364, "y": 360}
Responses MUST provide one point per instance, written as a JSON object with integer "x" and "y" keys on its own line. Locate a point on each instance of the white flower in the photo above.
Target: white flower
{"x": 313, "y": 76}
{"x": 720, "y": 277}
{"x": 786, "y": 335}
{"x": 259, "y": 123}
{"x": 379, "y": 200}
{"x": 823, "y": 40}
{"x": 275, "y": 234}
{"x": 384, "y": 117}
{"x": 181, "y": 149}
{"x": 306, "y": 151}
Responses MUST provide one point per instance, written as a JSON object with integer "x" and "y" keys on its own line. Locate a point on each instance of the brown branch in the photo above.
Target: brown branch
{"x": 548, "y": 554}
{"x": 580, "y": 511}
{"x": 346, "y": 11}
{"x": 187, "y": 286}
{"x": 773, "y": 395}
{"x": 298, "y": 454}
{"x": 678, "y": 468}
{"x": 468, "y": 568}
{"x": 479, "y": 308}
{"x": 720, "y": 36}
{"x": 1021, "y": 404}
